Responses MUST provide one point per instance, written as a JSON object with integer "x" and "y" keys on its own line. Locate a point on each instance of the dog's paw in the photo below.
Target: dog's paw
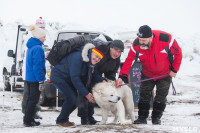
{"x": 113, "y": 123}
{"x": 124, "y": 123}
{"x": 101, "y": 123}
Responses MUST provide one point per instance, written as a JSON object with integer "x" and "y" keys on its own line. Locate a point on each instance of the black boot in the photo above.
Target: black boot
{"x": 143, "y": 113}
{"x": 31, "y": 123}
{"x": 88, "y": 121}
{"x": 141, "y": 120}
{"x": 92, "y": 121}
{"x": 156, "y": 121}
{"x": 157, "y": 113}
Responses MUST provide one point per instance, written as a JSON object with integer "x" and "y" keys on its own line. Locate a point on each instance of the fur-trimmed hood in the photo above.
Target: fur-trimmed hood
{"x": 85, "y": 51}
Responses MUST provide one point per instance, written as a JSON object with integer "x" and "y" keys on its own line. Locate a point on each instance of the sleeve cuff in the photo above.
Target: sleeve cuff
{"x": 125, "y": 79}
{"x": 172, "y": 69}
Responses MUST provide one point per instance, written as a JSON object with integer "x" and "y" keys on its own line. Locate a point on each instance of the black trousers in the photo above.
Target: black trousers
{"x": 32, "y": 100}
{"x": 162, "y": 89}
{"x": 85, "y": 108}
{"x": 25, "y": 97}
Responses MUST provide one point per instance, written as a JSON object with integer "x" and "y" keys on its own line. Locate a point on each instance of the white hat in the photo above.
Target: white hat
{"x": 40, "y": 22}
{"x": 37, "y": 32}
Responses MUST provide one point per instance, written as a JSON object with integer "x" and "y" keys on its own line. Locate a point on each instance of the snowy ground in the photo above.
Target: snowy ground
{"x": 182, "y": 114}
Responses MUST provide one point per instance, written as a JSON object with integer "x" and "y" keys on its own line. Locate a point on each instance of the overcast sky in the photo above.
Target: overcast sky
{"x": 181, "y": 16}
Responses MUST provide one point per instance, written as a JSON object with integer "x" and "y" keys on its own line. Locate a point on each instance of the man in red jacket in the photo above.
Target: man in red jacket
{"x": 159, "y": 54}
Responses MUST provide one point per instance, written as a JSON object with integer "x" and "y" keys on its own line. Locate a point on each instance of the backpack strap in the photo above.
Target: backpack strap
{"x": 136, "y": 55}
{"x": 170, "y": 55}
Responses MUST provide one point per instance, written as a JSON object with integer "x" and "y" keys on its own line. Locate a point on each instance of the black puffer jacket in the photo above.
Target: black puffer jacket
{"x": 108, "y": 66}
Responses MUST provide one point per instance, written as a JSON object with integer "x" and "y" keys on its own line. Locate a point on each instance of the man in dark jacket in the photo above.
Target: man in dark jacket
{"x": 111, "y": 62}
{"x": 73, "y": 74}
{"x": 107, "y": 66}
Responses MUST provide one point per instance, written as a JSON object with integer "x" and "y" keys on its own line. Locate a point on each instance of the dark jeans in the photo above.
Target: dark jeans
{"x": 162, "y": 89}
{"x": 70, "y": 95}
{"x": 32, "y": 100}
{"x": 85, "y": 108}
{"x": 25, "y": 98}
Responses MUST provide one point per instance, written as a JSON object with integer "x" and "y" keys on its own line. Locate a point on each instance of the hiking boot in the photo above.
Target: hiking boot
{"x": 156, "y": 121}
{"x": 66, "y": 124}
{"x": 140, "y": 121}
{"x": 92, "y": 121}
{"x": 31, "y": 124}
{"x": 157, "y": 112}
{"x": 37, "y": 116}
{"x": 143, "y": 113}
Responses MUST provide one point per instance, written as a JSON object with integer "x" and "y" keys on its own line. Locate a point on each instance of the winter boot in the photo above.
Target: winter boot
{"x": 92, "y": 121}
{"x": 140, "y": 120}
{"x": 31, "y": 123}
{"x": 157, "y": 113}
{"x": 143, "y": 113}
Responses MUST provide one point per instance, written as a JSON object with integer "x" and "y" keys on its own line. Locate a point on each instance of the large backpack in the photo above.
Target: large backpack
{"x": 61, "y": 49}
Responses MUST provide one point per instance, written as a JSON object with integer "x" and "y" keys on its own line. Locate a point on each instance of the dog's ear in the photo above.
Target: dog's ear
{"x": 99, "y": 90}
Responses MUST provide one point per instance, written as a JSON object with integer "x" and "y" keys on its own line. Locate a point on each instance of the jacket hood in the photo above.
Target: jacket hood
{"x": 33, "y": 42}
{"x": 85, "y": 52}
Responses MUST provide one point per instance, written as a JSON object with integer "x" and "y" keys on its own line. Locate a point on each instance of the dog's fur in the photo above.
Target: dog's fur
{"x": 117, "y": 100}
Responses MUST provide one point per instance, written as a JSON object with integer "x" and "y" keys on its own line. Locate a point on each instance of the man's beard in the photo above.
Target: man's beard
{"x": 145, "y": 46}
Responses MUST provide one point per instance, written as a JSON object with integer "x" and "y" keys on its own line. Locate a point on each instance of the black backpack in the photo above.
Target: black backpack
{"x": 61, "y": 49}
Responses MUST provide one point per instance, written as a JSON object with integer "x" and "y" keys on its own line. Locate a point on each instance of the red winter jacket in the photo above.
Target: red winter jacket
{"x": 154, "y": 60}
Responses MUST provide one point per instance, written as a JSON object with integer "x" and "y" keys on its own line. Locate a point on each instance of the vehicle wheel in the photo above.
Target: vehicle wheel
{"x": 43, "y": 99}
{"x": 7, "y": 86}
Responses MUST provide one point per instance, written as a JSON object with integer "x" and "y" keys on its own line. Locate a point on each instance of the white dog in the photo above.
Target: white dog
{"x": 117, "y": 100}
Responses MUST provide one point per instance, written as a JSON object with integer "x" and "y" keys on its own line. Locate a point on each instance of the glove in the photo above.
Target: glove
{"x": 41, "y": 86}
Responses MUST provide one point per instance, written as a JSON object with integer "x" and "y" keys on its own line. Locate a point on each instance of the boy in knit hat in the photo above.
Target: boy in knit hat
{"x": 40, "y": 23}
{"x": 35, "y": 73}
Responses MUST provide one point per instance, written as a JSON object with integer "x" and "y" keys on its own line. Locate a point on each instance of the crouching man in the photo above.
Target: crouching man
{"x": 71, "y": 76}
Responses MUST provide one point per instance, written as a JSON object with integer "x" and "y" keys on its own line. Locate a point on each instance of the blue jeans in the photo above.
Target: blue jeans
{"x": 70, "y": 95}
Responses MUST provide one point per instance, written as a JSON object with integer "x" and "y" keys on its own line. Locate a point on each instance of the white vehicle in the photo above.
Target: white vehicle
{"x": 12, "y": 67}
